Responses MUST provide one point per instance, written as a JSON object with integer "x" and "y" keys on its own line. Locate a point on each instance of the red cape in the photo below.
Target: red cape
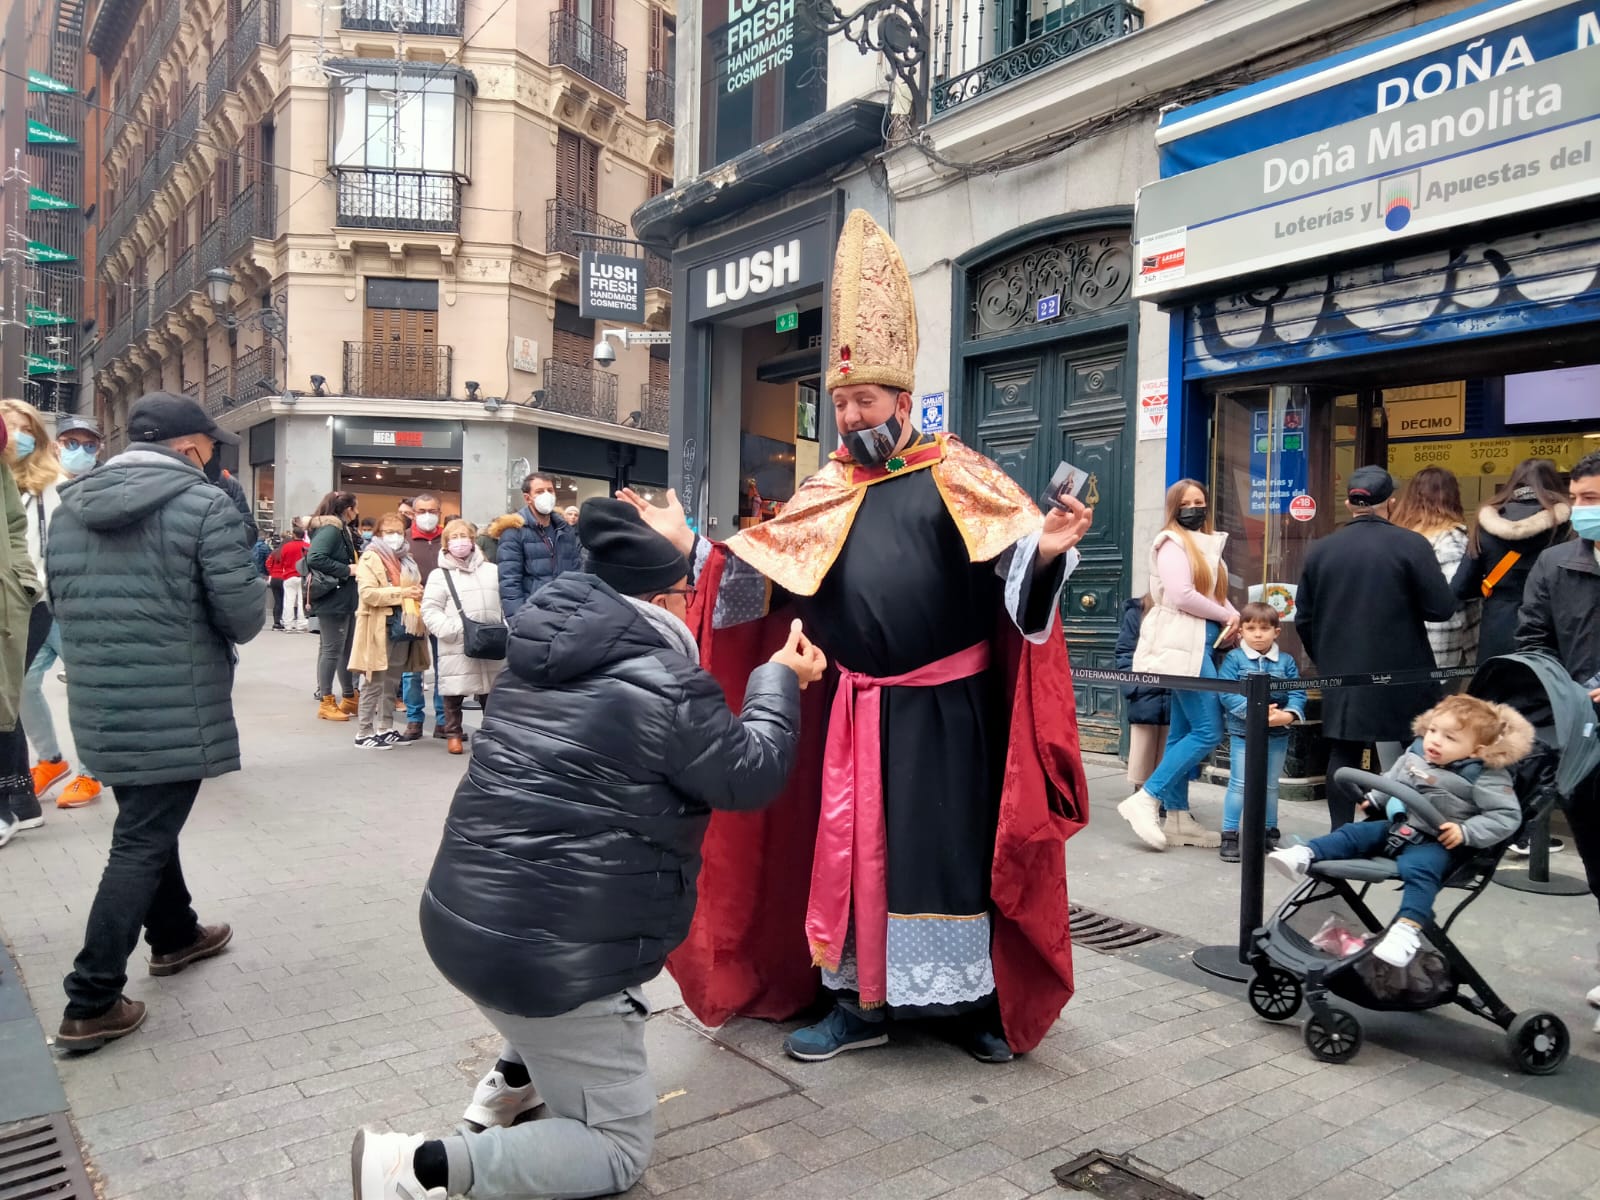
{"x": 746, "y": 953}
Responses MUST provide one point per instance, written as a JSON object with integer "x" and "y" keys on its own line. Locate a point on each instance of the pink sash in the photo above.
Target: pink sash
{"x": 851, "y": 859}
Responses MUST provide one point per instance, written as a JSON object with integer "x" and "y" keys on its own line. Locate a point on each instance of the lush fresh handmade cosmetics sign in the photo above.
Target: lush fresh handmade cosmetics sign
{"x": 611, "y": 288}
{"x": 1522, "y": 141}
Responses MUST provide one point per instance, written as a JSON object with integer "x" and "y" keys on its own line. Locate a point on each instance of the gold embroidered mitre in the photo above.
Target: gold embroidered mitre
{"x": 874, "y": 335}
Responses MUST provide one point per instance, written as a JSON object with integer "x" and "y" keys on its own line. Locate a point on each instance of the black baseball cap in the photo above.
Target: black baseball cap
{"x": 71, "y": 423}
{"x": 162, "y": 416}
{"x": 1370, "y": 485}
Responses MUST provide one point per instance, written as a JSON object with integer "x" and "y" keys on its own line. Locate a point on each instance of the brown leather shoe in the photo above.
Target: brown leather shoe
{"x": 412, "y": 732}
{"x": 90, "y": 1033}
{"x": 211, "y": 941}
{"x": 350, "y": 703}
{"x": 454, "y": 744}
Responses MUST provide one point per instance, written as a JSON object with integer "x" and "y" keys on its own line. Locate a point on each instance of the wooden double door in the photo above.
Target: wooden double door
{"x": 1030, "y": 409}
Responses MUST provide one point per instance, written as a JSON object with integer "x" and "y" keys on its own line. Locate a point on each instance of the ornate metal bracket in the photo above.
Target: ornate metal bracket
{"x": 897, "y": 29}
{"x": 273, "y": 321}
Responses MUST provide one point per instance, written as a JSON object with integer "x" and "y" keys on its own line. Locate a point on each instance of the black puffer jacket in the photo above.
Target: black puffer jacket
{"x": 1559, "y": 608}
{"x": 1524, "y": 528}
{"x": 569, "y": 860}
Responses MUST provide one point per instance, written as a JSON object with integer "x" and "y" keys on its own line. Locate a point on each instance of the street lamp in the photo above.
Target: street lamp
{"x": 270, "y": 319}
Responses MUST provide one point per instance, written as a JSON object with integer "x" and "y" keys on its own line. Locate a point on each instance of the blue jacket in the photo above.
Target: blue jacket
{"x": 1237, "y": 665}
{"x": 1146, "y": 705}
{"x": 531, "y": 555}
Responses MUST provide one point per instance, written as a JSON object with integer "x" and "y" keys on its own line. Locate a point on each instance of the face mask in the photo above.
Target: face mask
{"x": 461, "y": 547}
{"x": 427, "y": 522}
{"x": 78, "y": 459}
{"x": 395, "y": 541}
{"x": 24, "y": 443}
{"x": 544, "y": 503}
{"x": 875, "y": 446}
{"x": 1586, "y": 521}
{"x": 366, "y": 535}
{"x": 1193, "y": 518}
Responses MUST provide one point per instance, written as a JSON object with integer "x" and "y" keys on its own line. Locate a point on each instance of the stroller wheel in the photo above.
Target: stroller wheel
{"x": 1539, "y": 1042}
{"x": 1275, "y": 996}
{"x": 1333, "y": 1037}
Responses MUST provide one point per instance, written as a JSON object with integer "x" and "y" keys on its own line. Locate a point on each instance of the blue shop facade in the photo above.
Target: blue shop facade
{"x": 1389, "y": 256}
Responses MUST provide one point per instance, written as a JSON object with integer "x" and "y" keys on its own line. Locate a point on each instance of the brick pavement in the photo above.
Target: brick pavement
{"x": 254, "y": 1069}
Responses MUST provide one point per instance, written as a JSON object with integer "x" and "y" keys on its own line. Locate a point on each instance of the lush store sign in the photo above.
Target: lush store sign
{"x": 1502, "y": 146}
{"x": 759, "y": 38}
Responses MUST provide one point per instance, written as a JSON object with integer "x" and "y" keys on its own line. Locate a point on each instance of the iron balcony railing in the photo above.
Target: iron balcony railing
{"x": 657, "y": 271}
{"x": 218, "y": 397}
{"x": 257, "y": 26}
{"x": 252, "y": 376}
{"x": 219, "y": 76}
{"x": 579, "y": 391}
{"x": 149, "y": 177}
{"x": 140, "y": 316}
{"x": 659, "y": 96}
{"x": 975, "y": 52}
{"x": 162, "y": 298}
{"x": 213, "y": 246}
{"x": 383, "y": 199}
{"x": 183, "y": 277}
{"x": 576, "y": 44}
{"x": 253, "y": 214}
{"x": 564, "y": 220}
{"x": 188, "y": 125}
{"x": 434, "y": 18}
{"x": 654, "y": 407}
{"x": 397, "y": 370}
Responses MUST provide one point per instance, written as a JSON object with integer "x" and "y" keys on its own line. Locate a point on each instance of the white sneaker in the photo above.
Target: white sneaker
{"x": 1292, "y": 861}
{"x": 1594, "y": 992}
{"x": 496, "y": 1104}
{"x": 1142, "y": 812}
{"x": 9, "y": 827}
{"x": 1400, "y": 945}
{"x": 380, "y": 1168}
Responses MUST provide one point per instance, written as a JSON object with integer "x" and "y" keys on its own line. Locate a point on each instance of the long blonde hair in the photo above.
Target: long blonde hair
{"x": 1199, "y": 568}
{"x": 42, "y": 468}
{"x": 1430, "y": 502}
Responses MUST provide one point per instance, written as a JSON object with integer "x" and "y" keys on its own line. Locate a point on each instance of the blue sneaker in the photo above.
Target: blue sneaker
{"x": 839, "y": 1031}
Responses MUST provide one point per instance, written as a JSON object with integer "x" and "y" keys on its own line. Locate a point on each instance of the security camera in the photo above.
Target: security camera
{"x": 604, "y": 353}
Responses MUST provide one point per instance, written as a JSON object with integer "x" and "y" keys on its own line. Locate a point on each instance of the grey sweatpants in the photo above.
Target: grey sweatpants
{"x": 590, "y": 1069}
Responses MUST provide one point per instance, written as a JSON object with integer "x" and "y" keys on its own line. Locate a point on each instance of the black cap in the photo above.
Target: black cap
{"x": 624, "y": 551}
{"x": 71, "y": 423}
{"x": 1370, "y": 485}
{"x": 162, "y": 416}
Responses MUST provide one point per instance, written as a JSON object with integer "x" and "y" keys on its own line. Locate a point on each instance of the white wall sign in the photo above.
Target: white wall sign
{"x": 525, "y": 355}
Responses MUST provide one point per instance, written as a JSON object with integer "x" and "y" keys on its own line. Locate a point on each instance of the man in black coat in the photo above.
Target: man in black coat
{"x": 569, "y": 862}
{"x": 1364, "y": 596}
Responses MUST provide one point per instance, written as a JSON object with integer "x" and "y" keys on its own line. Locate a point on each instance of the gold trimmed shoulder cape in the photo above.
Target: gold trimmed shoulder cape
{"x": 797, "y": 548}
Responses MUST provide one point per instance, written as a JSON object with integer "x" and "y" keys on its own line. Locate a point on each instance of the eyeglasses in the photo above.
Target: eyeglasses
{"x": 688, "y": 593}
{"x": 75, "y": 444}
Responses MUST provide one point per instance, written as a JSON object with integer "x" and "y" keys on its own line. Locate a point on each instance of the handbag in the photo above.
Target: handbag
{"x": 482, "y": 640}
{"x": 397, "y": 625}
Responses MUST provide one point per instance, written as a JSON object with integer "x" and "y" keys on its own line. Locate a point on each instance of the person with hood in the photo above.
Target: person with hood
{"x": 426, "y": 542}
{"x": 465, "y": 585}
{"x": 538, "y": 550}
{"x": 489, "y": 536}
{"x": 390, "y": 638}
{"x": 20, "y": 637}
{"x": 149, "y": 574}
{"x": 331, "y": 573}
{"x": 569, "y": 862}
{"x": 1520, "y": 522}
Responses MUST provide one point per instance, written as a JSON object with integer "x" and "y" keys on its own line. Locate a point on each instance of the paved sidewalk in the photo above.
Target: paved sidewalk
{"x": 253, "y": 1070}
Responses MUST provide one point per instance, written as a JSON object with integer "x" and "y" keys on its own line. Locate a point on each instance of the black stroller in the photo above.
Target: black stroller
{"x": 1294, "y": 963}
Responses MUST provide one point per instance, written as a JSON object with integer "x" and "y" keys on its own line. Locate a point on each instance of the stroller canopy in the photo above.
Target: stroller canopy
{"x": 1538, "y": 687}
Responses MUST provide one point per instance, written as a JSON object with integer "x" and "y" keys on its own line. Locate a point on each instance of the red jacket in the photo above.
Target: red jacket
{"x": 284, "y": 562}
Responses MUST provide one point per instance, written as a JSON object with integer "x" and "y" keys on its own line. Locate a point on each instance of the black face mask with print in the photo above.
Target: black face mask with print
{"x": 1193, "y": 519}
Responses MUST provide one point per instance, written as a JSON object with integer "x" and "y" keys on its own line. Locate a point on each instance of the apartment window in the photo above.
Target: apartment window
{"x": 405, "y": 121}
{"x": 765, "y": 70}
{"x": 577, "y": 171}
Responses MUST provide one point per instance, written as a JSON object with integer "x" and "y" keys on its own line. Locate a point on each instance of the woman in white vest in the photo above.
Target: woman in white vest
{"x": 1190, "y": 613}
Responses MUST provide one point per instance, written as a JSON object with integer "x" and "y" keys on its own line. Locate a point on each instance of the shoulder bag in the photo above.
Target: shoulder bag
{"x": 482, "y": 640}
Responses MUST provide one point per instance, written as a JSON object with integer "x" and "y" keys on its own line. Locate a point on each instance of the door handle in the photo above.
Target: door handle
{"x": 1088, "y": 602}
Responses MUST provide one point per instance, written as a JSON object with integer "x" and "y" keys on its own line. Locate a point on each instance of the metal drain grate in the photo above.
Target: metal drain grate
{"x": 39, "y": 1160}
{"x": 1113, "y": 1176}
{"x": 1100, "y": 932}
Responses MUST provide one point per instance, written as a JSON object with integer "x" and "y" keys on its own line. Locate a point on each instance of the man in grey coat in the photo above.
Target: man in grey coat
{"x": 151, "y": 579}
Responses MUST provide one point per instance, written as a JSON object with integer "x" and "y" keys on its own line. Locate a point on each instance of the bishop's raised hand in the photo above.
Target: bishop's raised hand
{"x": 666, "y": 519}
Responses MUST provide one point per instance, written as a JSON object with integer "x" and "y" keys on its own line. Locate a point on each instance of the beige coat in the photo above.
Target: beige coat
{"x": 1171, "y": 641}
{"x": 369, "y": 651}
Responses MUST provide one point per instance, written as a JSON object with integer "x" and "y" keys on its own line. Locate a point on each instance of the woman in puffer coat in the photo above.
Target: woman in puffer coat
{"x": 1523, "y": 519}
{"x": 477, "y": 593}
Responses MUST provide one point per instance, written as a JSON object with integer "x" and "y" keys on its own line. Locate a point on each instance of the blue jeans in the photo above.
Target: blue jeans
{"x": 36, "y": 718}
{"x": 411, "y": 690}
{"x": 1195, "y": 731}
{"x": 1423, "y": 869}
{"x": 1233, "y": 802}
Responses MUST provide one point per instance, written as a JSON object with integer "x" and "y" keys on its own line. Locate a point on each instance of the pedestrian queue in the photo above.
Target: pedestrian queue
{"x": 461, "y": 608}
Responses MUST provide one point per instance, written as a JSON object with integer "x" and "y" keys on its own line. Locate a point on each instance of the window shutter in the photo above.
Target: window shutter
{"x": 602, "y": 17}
{"x": 567, "y": 167}
{"x": 589, "y": 179}
{"x": 570, "y": 348}
{"x": 250, "y": 163}
{"x": 658, "y": 40}
{"x": 660, "y": 372}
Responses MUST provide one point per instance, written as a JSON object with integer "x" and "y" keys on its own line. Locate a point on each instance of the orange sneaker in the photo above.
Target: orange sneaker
{"x": 84, "y": 789}
{"x": 49, "y": 773}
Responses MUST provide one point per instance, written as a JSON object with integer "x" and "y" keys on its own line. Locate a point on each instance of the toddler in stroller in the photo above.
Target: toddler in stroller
{"x": 1460, "y": 762}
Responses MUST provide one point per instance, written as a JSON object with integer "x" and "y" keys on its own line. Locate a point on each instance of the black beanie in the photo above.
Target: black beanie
{"x": 624, "y": 551}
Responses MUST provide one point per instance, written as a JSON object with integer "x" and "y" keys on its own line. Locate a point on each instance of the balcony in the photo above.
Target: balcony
{"x": 415, "y": 200}
{"x": 654, "y": 407}
{"x": 188, "y": 125}
{"x": 432, "y": 18}
{"x": 257, "y": 26}
{"x": 660, "y": 88}
{"x": 252, "y": 377}
{"x": 657, "y": 271}
{"x": 564, "y": 220}
{"x": 219, "y": 77}
{"x": 579, "y": 391}
{"x": 578, "y": 45}
{"x": 212, "y": 246}
{"x": 965, "y": 67}
{"x": 397, "y": 371}
{"x": 253, "y": 214}
{"x": 218, "y": 400}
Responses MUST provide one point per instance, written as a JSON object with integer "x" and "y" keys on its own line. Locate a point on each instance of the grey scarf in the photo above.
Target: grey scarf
{"x": 673, "y": 631}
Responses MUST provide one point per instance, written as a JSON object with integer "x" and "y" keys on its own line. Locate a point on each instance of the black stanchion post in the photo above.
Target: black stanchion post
{"x": 1231, "y": 962}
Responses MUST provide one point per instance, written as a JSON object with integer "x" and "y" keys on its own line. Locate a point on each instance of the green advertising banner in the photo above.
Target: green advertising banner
{"x": 39, "y": 198}
{"x": 38, "y": 81}
{"x": 38, "y": 364}
{"x": 44, "y": 316}
{"x": 38, "y": 252}
{"x": 41, "y": 134}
